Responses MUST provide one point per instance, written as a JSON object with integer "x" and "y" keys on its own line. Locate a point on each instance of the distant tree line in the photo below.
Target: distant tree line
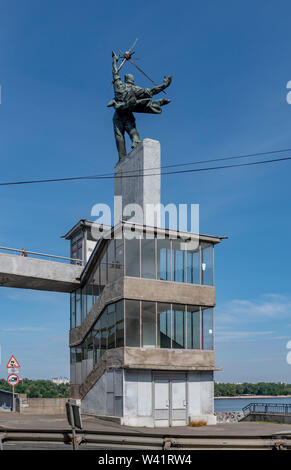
{"x": 261, "y": 388}
{"x": 38, "y": 388}
{"x": 48, "y": 389}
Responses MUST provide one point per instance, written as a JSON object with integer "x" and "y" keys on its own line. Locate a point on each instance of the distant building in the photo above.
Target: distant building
{"x": 60, "y": 380}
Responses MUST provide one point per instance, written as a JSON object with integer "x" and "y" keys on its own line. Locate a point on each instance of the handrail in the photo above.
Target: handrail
{"x": 41, "y": 254}
{"x": 259, "y": 407}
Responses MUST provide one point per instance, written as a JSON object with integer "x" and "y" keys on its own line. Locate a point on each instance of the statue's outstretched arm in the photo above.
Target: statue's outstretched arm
{"x": 158, "y": 88}
{"x": 115, "y": 73}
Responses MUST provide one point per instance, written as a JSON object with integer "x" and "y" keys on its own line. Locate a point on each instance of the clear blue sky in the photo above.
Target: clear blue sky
{"x": 231, "y": 63}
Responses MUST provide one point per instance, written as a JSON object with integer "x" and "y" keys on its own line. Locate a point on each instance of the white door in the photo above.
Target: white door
{"x": 162, "y": 402}
{"x": 178, "y": 402}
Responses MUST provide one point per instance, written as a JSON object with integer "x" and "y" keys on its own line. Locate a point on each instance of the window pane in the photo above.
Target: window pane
{"x": 96, "y": 283}
{"x": 193, "y": 327}
{"x": 90, "y": 346}
{"x": 84, "y": 303}
{"x": 164, "y": 259}
{"x": 103, "y": 332}
{"x": 164, "y": 325}
{"x": 79, "y": 252}
{"x": 73, "y": 356}
{"x": 207, "y": 264}
{"x": 178, "y": 261}
{"x": 89, "y": 292}
{"x": 207, "y": 322}
{"x": 132, "y": 257}
{"x": 178, "y": 326}
{"x": 103, "y": 270}
{"x": 149, "y": 324}
{"x": 111, "y": 260}
{"x": 97, "y": 338}
{"x": 78, "y": 351}
{"x": 148, "y": 265}
{"x": 84, "y": 351}
{"x": 192, "y": 266}
{"x": 111, "y": 325}
{"x": 119, "y": 324}
{"x": 78, "y": 307}
{"x": 132, "y": 311}
{"x": 73, "y": 309}
{"x": 119, "y": 264}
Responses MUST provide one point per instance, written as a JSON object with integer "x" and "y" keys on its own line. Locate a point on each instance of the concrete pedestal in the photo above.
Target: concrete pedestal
{"x": 137, "y": 185}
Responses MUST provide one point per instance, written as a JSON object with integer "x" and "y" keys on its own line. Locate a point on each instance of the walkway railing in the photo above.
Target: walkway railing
{"x": 25, "y": 253}
{"x": 277, "y": 408}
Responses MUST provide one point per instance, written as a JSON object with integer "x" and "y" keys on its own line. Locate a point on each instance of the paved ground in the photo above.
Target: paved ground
{"x": 22, "y": 421}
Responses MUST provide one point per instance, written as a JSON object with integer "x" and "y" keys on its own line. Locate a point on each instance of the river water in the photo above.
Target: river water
{"x": 236, "y": 404}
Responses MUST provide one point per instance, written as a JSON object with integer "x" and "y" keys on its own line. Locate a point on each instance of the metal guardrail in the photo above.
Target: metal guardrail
{"x": 46, "y": 255}
{"x": 129, "y": 441}
{"x": 273, "y": 408}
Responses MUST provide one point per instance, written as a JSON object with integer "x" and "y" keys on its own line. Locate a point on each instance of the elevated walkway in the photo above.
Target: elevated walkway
{"x": 39, "y": 274}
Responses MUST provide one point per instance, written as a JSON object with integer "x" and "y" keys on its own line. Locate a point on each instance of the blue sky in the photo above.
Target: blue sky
{"x": 230, "y": 63}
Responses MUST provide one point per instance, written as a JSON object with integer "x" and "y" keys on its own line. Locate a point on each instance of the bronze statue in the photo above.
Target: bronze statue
{"x": 129, "y": 98}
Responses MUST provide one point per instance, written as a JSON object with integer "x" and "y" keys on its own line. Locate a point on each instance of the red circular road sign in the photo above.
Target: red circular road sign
{"x": 13, "y": 379}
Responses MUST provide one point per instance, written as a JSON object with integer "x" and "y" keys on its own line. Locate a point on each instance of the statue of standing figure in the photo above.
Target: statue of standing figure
{"x": 129, "y": 98}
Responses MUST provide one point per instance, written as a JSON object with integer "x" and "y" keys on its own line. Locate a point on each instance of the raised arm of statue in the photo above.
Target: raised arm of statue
{"x": 115, "y": 73}
{"x": 158, "y": 88}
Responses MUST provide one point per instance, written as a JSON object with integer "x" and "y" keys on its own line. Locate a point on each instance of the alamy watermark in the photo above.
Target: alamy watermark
{"x": 288, "y": 357}
{"x": 144, "y": 219}
{"x": 288, "y": 96}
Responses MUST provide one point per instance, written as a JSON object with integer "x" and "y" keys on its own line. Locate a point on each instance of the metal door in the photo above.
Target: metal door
{"x": 178, "y": 402}
{"x": 161, "y": 402}
{"x": 170, "y": 400}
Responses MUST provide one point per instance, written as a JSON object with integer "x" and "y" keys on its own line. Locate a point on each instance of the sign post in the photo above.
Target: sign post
{"x": 75, "y": 421}
{"x": 13, "y": 368}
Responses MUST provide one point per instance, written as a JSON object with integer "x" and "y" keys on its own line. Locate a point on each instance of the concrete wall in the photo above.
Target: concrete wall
{"x": 136, "y": 386}
{"x": 169, "y": 359}
{"x": 201, "y": 396}
{"x": 138, "y": 409}
{"x": 45, "y": 406}
{"x": 105, "y": 397}
{"x": 269, "y": 417}
{"x": 168, "y": 291}
{"x": 111, "y": 359}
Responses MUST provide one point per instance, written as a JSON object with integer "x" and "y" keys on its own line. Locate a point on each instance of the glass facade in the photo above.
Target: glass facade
{"x": 170, "y": 260}
{"x": 161, "y": 259}
{"x": 109, "y": 267}
{"x": 148, "y": 325}
{"x": 106, "y": 333}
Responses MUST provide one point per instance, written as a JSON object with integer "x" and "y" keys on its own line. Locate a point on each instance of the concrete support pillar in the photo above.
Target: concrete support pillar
{"x": 137, "y": 185}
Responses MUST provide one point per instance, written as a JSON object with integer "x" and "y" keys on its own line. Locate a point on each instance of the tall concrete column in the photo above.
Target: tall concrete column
{"x": 137, "y": 185}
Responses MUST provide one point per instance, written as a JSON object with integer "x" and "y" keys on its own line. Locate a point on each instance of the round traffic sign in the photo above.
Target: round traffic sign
{"x": 13, "y": 379}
